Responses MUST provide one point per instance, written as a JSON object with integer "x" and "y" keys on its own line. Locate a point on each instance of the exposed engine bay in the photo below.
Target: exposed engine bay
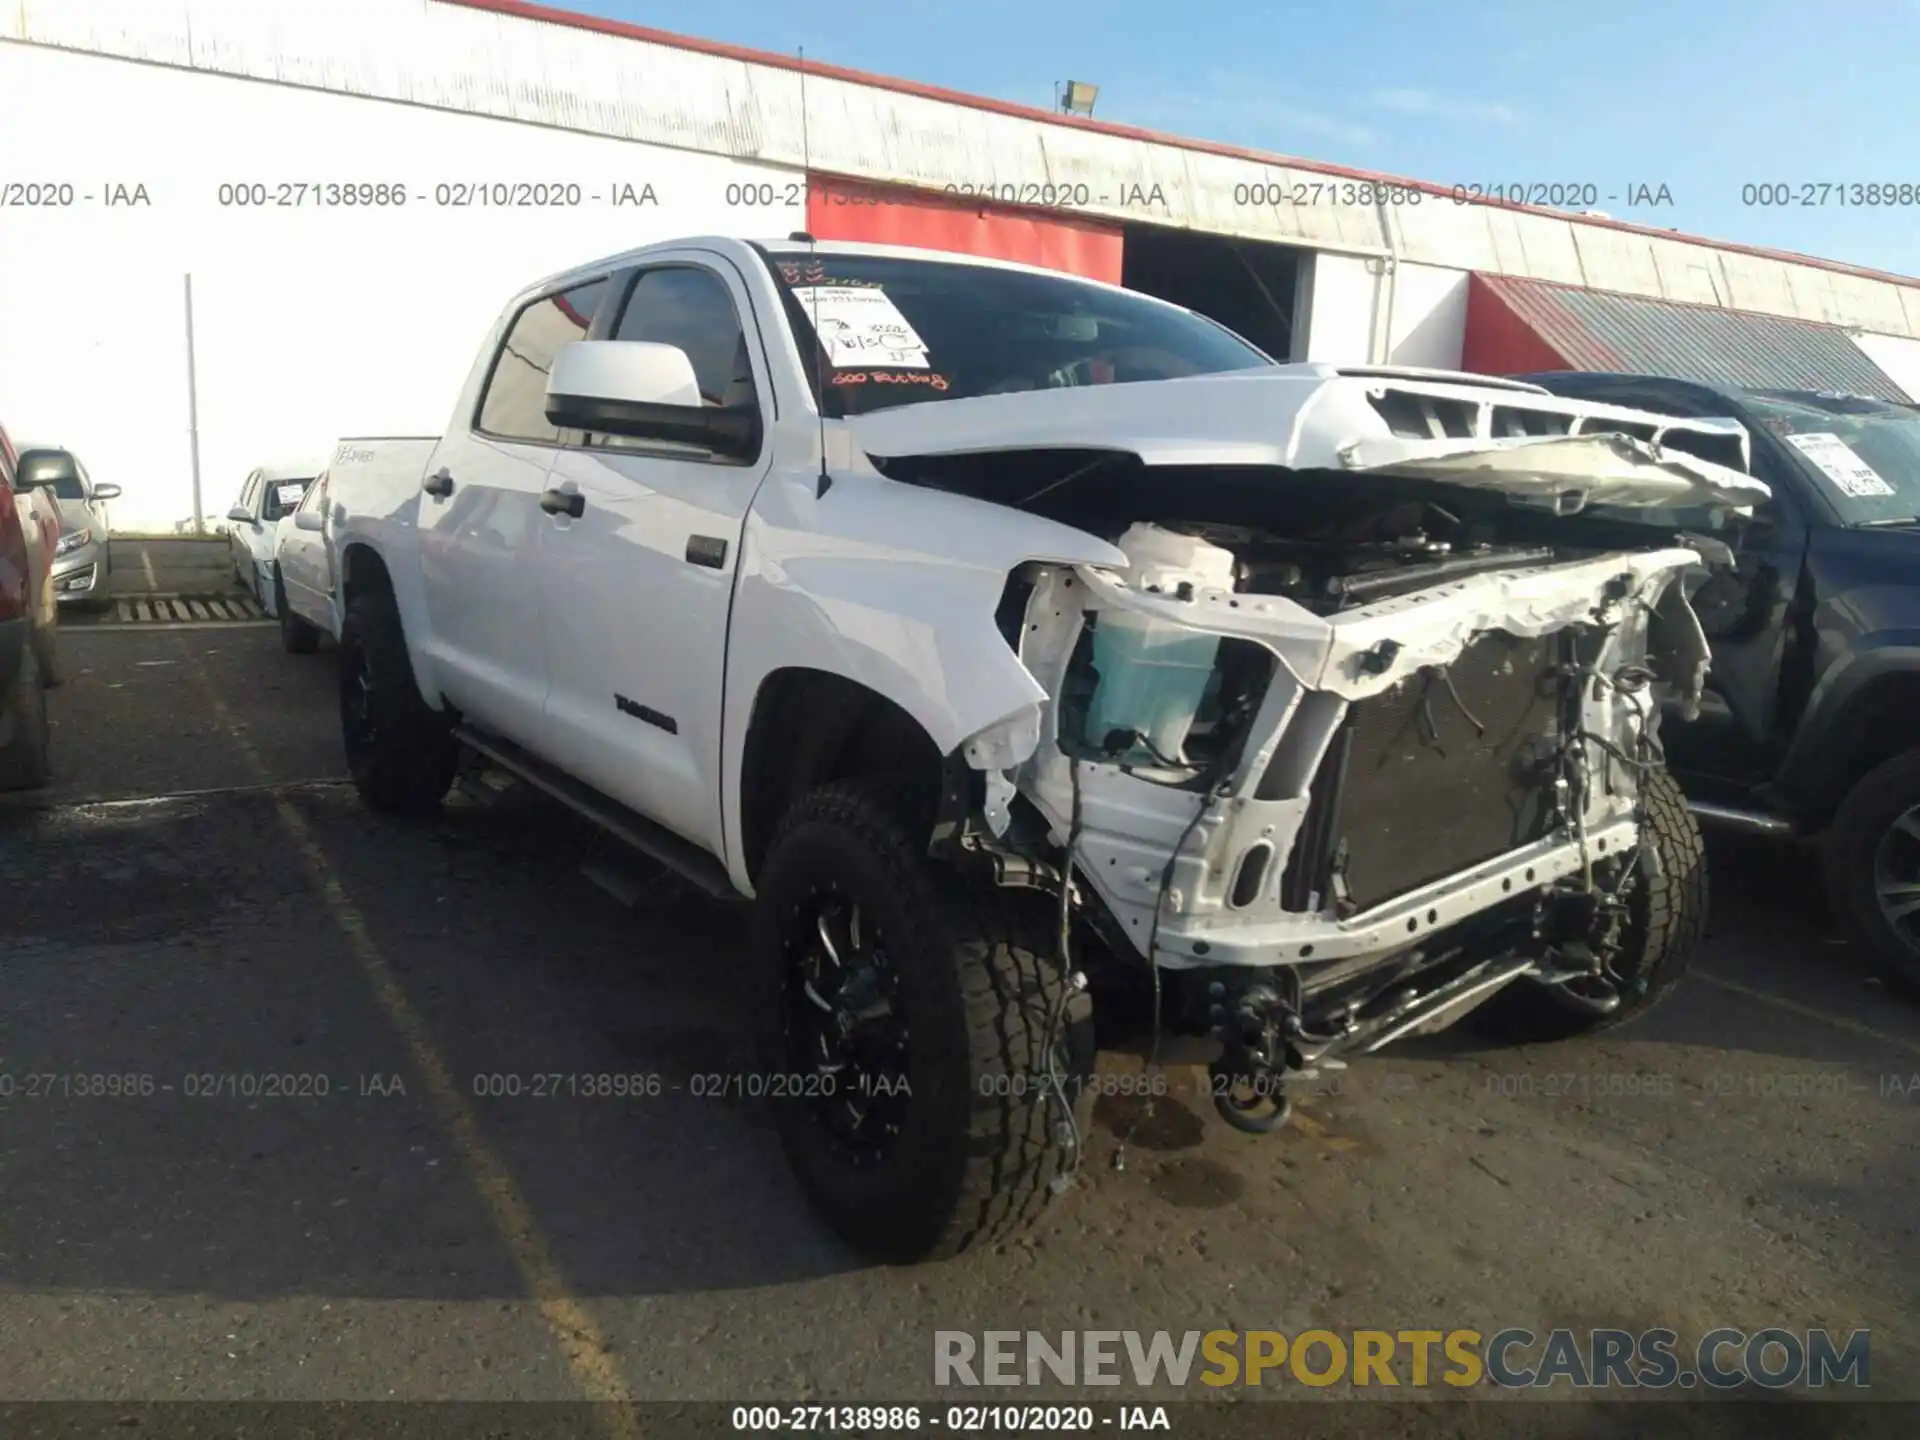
{"x": 1338, "y": 757}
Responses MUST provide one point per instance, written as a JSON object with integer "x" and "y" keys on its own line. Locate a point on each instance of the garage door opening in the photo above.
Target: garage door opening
{"x": 1249, "y": 286}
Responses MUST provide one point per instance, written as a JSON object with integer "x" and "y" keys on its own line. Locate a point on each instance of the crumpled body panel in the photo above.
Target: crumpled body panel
{"x": 1170, "y": 862}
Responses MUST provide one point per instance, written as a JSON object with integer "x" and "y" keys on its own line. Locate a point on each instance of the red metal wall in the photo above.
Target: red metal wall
{"x": 896, "y": 215}
{"x": 1499, "y": 340}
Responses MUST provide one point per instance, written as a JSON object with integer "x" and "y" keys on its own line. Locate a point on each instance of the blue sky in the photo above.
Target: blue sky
{"x": 1702, "y": 96}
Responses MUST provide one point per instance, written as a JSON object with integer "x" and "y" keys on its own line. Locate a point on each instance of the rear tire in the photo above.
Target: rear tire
{"x": 400, "y": 750}
{"x": 1667, "y": 918}
{"x": 1871, "y": 857}
{"x": 297, "y": 637}
{"x": 24, "y": 763}
{"x": 967, "y": 990}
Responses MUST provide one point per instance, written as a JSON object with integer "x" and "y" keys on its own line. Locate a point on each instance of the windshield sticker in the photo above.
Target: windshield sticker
{"x": 1839, "y": 463}
{"x": 932, "y": 379}
{"x": 862, "y": 328}
{"x": 290, "y": 493}
{"x": 814, "y": 272}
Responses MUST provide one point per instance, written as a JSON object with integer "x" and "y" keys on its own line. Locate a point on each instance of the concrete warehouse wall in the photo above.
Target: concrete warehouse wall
{"x": 1350, "y": 301}
{"x": 309, "y": 323}
{"x": 312, "y": 322}
{"x": 601, "y": 78}
{"x": 1896, "y": 355}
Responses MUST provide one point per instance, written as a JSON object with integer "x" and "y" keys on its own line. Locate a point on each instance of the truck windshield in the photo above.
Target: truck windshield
{"x": 1864, "y": 453}
{"x": 893, "y": 331}
{"x": 283, "y": 498}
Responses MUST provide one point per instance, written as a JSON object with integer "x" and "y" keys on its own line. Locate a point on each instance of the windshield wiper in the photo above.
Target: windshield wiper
{"x": 1892, "y": 522}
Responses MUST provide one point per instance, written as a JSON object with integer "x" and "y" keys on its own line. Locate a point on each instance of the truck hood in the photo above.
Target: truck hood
{"x": 1538, "y": 447}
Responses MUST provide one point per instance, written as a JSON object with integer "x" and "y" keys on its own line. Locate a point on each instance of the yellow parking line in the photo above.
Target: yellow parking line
{"x": 585, "y": 1348}
{"x": 1808, "y": 1012}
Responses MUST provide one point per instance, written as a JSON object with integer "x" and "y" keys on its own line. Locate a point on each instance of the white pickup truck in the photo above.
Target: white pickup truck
{"x": 1019, "y": 643}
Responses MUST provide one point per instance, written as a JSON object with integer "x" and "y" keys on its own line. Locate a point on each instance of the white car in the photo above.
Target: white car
{"x": 270, "y": 493}
{"x": 1015, "y": 641}
{"x": 304, "y": 593}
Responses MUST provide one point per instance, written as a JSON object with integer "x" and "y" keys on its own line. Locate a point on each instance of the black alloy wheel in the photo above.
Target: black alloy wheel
{"x": 846, "y": 1029}
{"x": 1896, "y": 876}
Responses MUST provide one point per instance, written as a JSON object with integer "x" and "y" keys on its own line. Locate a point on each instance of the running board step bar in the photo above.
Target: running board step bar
{"x": 1754, "y": 822}
{"x": 687, "y": 860}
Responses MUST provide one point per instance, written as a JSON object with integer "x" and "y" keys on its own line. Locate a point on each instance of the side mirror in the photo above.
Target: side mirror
{"x": 648, "y": 392}
{"x": 106, "y": 492}
{"x": 42, "y": 469}
{"x": 240, "y": 515}
{"x": 309, "y": 520}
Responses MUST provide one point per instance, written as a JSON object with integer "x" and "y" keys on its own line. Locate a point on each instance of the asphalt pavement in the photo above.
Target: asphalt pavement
{"x": 273, "y": 1121}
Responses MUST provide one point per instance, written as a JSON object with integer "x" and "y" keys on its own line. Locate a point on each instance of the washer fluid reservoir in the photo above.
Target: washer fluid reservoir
{"x": 1154, "y": 674}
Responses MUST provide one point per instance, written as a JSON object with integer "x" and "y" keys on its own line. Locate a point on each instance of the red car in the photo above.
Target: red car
{"x": 29, "y": 530}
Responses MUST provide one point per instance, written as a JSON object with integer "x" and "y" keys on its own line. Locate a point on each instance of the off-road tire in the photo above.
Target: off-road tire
{"x": 1668, "y": 918}
{"x": 297, "y": 637}
{"x": 979, "y": 983}
{"x": 405, "y": 761}
{"x": 24, "y": 760}
{"x": 1883, "y": 795}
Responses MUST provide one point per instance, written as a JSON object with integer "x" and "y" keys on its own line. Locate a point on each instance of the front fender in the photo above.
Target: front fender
{"x": 894, "y": 588}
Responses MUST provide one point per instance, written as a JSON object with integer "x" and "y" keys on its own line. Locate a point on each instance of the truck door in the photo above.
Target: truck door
{"x": 1739, "y": 736}
{"x": 636, "y": 587}
{"x": 237, "y": 530}
{"x": 481, "y": 525}
{"x": 303, "y": 555}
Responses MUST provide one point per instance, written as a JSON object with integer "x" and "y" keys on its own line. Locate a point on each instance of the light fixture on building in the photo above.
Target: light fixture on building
{"x": 1075, "y": 97}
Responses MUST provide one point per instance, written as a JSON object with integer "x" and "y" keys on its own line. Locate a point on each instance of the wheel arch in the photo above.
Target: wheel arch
{"x": 1857, "y": 720}
{"x": 810, "y": 727}
{"x": 364, "y": 569}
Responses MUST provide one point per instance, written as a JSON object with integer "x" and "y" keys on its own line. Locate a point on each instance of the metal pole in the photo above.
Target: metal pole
{"x": 193, "y": 416}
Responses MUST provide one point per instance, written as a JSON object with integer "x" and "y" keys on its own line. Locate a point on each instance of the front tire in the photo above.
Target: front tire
{"x": 1872, "y": 864}
{"x": 877, "y": 967}
{"x": 297, "y": 637}
{"x": 24, "y": 763}
{"x": 1667, "y": 916}
{"x": 400, "y": 750}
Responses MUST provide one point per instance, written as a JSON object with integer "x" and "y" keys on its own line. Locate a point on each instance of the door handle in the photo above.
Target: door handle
{"x": 439, "y": 483}
{"x": 563, "y": 502}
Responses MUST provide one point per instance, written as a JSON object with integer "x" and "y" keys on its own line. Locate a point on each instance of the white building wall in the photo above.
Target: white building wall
{"x": 1429, "y": 317}
{"x": 309, "y": 322}
{"x": 298, "y": 310}
{"x": 1898, "y": 356}
{"x": 460, "y": 58}
{"x": 1343, "y": 300}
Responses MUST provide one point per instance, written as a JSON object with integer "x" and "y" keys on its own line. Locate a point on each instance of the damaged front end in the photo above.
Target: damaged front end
{"x": 1365, "y": 730}
{"x": 1332, "y": 803}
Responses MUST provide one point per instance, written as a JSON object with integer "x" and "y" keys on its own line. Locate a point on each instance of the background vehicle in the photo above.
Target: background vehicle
{"x": 82, "y": 564}
{"x": 271, "y": 493}
{"x": 304, "y": 593}
{"x": 1811, "y": 719}
{"x": 29, "y": 532}
{"x": 908, "y": 596}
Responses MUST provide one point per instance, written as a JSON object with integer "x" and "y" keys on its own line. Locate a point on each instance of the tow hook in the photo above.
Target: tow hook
{"x": 1263, "y": 1107}
{"x": 1249, "y": 1078}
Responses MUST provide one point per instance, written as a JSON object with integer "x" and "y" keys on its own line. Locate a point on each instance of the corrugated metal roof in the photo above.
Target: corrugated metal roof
{"x": 1600, "y": 330}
